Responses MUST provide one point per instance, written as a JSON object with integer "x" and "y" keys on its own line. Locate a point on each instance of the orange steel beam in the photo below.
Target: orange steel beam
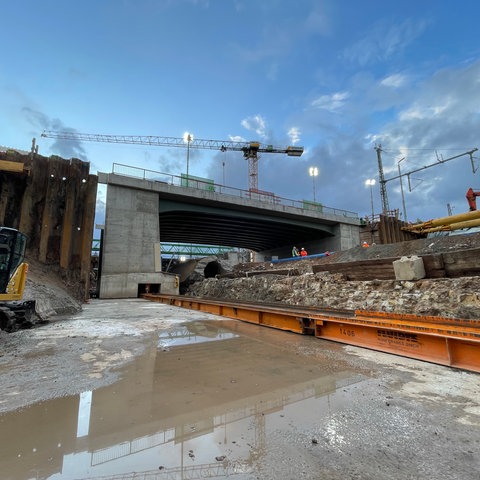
{"x": 446, "y": 341}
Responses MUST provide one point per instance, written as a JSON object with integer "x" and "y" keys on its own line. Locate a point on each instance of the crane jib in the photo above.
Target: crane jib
{"x": 222, "y": 145}
{"x": 249, "y": 149}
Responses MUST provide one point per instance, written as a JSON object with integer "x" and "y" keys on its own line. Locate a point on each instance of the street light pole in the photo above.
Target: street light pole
{"x": 371, "y": 182}
{"x": 187, "y": 137}
{"x": 313, "y": 172}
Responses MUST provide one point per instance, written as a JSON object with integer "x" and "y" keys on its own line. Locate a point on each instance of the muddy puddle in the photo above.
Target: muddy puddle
{"x": 203, "y": 401}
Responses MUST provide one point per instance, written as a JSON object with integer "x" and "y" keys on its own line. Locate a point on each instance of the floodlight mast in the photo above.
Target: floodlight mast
{"x": 250, "y": 149}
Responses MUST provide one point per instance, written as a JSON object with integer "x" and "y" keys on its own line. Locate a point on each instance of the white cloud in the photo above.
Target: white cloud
{"x": 385, "y": 40}
{"x": 236, "y": 138}
{"x": 294, "y": 134}
{"x": 331, "y": 102}
{"x": 256, "y": 124}
{"x": 417, "y": 112}
{"x": 396, "y": 80}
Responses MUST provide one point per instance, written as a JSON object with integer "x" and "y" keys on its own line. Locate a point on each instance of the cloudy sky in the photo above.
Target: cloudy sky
{"x": 338, "y": 77}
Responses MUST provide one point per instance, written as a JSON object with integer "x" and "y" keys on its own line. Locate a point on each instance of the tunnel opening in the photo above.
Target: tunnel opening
{"x": 212, "y": 269}
{"x": 148, "y": 288}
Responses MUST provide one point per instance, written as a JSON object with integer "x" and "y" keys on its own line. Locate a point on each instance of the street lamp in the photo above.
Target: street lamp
{"x": 188, "y": 137}
{"x": 370, "y": 183}
{"x": 313, "y": 172}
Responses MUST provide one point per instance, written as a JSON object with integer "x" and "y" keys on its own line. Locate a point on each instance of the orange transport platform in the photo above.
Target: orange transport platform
{"x": 447, "y": 341}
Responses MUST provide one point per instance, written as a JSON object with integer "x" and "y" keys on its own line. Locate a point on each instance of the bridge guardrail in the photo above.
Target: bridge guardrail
{"x": 207, "y": 184}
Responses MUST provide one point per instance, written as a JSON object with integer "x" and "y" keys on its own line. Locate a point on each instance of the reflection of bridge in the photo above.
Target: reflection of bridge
{"x": 206, "y": 470}
{"x": 200, "y": 420}
{"x": 145, "y": 209}
{"x": 148, "y": 419}
{"x": 259, "y": 409}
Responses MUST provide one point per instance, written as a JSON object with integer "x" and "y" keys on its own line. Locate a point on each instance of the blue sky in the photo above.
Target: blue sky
{"x": 334, "y": 76}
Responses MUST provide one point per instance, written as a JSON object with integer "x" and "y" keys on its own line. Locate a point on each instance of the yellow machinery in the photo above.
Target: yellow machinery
{"x": 452, "y": 222}
{"x": 14, "y": 313}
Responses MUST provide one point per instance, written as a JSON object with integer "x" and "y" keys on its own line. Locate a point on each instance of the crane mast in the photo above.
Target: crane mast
{"x": 250, "y": 150}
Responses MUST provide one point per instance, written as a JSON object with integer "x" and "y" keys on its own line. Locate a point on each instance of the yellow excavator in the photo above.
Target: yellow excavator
{"x": 14, "y": 313}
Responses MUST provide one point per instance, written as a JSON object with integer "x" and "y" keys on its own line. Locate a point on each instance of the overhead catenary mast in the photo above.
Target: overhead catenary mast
{"x": 250, "y": 150}
{"x": 383, "y": 181}
{"x": 383, "y": 187}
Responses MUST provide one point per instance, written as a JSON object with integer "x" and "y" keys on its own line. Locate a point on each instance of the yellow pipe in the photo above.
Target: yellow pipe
{"x": 453, "y": 226}
{"x": 437, "y": 222}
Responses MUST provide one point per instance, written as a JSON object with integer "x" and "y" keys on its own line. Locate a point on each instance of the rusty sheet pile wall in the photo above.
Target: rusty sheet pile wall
{"x": 384, "y": 229}
{"x": 52, "y": 201}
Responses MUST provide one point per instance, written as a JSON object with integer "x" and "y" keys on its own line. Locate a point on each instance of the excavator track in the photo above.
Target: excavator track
{"x": 446, "y": 341}
{"x": 17, "y": 315}
{"x": 7, "y": 319}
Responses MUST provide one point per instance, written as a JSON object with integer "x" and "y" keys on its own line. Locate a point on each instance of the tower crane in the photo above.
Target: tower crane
{"x": 250, "y": 150}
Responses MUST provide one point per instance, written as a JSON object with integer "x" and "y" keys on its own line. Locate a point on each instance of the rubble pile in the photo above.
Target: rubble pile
{"x": 456, "y": 298}
{"x": 449, "y": 297}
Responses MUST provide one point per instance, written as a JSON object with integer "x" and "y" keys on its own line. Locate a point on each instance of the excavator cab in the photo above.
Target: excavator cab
{"x": 14, "y": 313}
{"x": 12, "y": 254}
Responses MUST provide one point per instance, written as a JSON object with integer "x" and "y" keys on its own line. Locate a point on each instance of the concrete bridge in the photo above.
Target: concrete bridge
{"x": 145, "y": 208}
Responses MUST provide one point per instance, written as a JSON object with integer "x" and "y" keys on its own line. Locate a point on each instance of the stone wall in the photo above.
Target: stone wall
{"x": 457, "y": 298}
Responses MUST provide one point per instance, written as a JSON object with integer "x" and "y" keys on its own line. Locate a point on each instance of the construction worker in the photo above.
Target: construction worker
{"x": 295, "y": 252}
{"x": 365, "y": 245}
{"x": 303, "y": 252}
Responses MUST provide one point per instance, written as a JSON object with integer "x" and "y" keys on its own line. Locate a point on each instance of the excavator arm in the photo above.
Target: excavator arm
{"x": 16, "y": 285}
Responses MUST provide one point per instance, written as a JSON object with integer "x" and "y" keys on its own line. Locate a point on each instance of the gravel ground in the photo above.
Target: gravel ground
{"x": 386, "y": 417}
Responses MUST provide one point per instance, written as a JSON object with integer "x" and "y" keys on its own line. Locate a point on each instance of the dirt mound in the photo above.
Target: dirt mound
{"x": 52, "y": 293}
{"x": 423, "y": 246}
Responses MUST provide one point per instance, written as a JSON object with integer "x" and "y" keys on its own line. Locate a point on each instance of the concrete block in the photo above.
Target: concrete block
{"x": 409, "y": 268}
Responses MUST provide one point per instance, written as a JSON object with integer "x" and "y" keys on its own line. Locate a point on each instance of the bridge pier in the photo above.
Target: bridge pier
{"x": 130, "y": 257}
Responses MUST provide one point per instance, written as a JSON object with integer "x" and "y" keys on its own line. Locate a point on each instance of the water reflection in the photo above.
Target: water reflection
{"x": 195, "y": 332}
{"x": 200, "y": 405}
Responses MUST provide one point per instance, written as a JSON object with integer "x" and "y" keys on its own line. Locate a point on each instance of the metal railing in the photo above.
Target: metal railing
{"x": 209, "y": 185}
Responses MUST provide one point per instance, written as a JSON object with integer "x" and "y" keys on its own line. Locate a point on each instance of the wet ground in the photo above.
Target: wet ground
{"x": 130, "y": 389}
